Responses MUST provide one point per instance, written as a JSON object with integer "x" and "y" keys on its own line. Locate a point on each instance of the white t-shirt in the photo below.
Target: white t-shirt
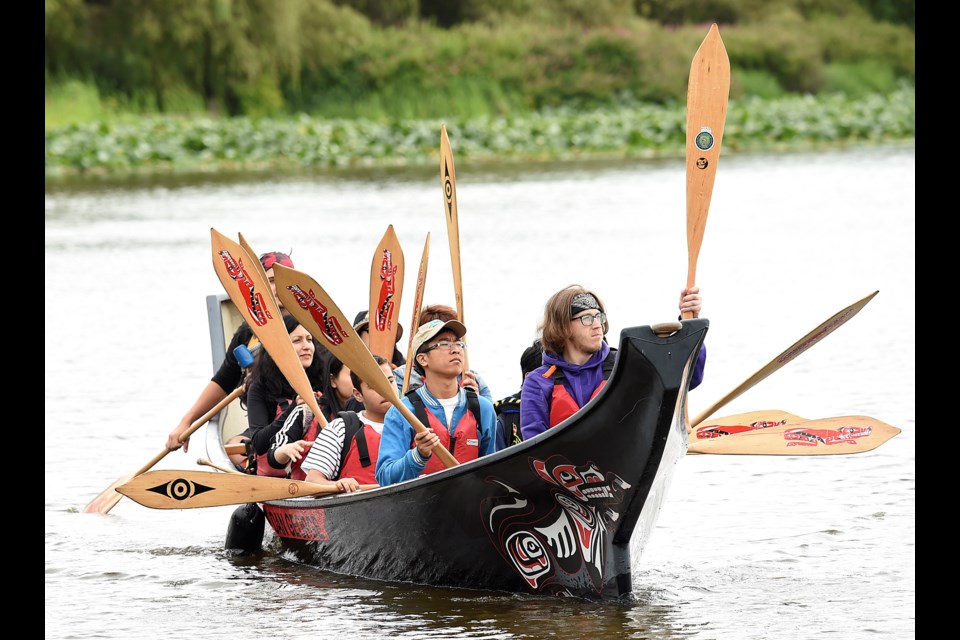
{"x": 449, "y": 404}
{"x": 324, "y": 455}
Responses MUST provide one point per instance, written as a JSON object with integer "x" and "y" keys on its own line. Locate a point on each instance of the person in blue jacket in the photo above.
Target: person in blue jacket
{"x": 455, "y": 417}
{"x": 577, "y": 359}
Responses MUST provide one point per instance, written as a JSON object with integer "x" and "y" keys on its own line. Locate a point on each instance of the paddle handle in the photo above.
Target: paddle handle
{"x": 448, "y": 182}
{"x": 417, "y": 308}
{"x": 441, "y": 452}
{"x": 199, "y": 422}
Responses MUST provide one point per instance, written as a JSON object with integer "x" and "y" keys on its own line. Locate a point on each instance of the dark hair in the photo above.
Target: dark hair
{"x": 331, "y": 401}
{"x": 265, "y": 371}
{"x": 531, "y": 358}
{"x": 380, "y": 360}
{"x": 437, "y": 312}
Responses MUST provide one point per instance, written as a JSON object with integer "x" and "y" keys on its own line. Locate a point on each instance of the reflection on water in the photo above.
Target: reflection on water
{"x": 746, "y": 546}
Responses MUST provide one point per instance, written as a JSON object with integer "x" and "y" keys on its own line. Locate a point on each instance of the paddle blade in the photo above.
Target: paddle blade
{"x": 743, "y": 422}
{"x": 244, "y": 280}
{"x": 108, "y": 498}
{"x": 317, "y": 311}
{"x": 708, "y": 90}
{"x": 417, "y": 307}
{"x": 828, "y": 436}
{"x": 386, "y": 290}
{"x": 179, "y": 489}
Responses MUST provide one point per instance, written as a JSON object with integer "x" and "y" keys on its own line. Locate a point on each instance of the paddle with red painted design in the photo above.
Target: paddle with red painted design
{"x": 316, "y": 310}
{"x": 827, "y": 436}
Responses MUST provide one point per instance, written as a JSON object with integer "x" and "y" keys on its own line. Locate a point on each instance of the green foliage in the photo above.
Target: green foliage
{"x": 261, "y": 57}
{"x": 70, "y": 101}
{"x": 872, "y": 43}
{"x": 858, "y": 79}
{"x": 259, "y": 97}
{"x": 761, "y": 84}
{"x": 156, "y": 144}
{"x": 385, "y": 12}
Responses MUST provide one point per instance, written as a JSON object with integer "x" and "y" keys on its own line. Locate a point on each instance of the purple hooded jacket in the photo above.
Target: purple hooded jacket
{"x": 580, "y": 381}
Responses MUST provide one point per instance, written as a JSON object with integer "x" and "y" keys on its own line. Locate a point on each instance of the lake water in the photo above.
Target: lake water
{"x": 746, "y": 546}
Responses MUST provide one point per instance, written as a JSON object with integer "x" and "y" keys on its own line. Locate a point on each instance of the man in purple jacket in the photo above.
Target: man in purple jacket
{"x": 577, "y": 359}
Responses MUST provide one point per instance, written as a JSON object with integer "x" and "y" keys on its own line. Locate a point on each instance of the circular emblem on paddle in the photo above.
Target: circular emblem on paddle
{"x": 704, "y": 139}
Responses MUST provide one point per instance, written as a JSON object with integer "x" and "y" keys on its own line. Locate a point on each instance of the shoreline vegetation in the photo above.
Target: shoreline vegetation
{"x": 189, "y": 144}
{"x": 161, "y": 87}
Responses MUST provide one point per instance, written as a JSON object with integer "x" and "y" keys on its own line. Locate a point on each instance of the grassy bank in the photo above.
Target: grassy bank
{"x": 163, "y": 144}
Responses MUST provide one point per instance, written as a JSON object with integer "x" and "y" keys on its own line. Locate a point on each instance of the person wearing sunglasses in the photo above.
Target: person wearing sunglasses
{"x": 455, "y": 417}
{"x": 577, "y": 359}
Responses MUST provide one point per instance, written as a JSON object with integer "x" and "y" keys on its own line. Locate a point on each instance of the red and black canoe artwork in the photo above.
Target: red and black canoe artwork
{"x": 563, "y": 513}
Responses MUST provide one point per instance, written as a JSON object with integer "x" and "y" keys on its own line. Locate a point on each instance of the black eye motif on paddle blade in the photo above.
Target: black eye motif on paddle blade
{"x": 180, "y": 489}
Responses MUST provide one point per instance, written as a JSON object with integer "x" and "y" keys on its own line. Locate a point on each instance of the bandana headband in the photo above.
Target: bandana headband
{"x": 274, "y": 257}
{"x": 583, "y": 302}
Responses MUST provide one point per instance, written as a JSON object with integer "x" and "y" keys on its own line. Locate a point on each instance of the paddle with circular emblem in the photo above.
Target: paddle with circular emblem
{"x": 707, "y": 93}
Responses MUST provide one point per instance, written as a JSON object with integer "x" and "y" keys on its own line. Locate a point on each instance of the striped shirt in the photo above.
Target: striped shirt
{"x": 324, "y": 455}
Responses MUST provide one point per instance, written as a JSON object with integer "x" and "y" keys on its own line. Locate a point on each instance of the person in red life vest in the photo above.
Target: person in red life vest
{"x": 344, "y": 453}
{"x": 455, "y": 417}
{"x": 577, "y": 359}
{"x": 468, "y": 378}
{"x": 230, "y": 374}
{"x": 270, "y": 399}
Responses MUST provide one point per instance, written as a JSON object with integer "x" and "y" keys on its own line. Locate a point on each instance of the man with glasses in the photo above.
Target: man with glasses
{"x": 577, "y": 359}
{"x": 455, "y": 417}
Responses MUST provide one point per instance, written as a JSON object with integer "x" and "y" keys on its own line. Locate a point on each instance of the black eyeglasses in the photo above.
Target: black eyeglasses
{"x": 447, "y": 346}
{"x": 589, "y": 320}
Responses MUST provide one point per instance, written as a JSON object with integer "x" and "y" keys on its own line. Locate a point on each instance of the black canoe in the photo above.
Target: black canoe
{"x": 561, "y": 514}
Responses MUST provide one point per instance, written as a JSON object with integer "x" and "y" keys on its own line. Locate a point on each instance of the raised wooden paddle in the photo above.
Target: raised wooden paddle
{"x": 707, "y": 93}
{"x": 250, "y": 291}
{"x": 179, "y": 489}
{"x": 386, "y": 290}
{"x": 109, "y": 497}
{"x": 417, "y": 308}
{"x": 827, "y": 436}
{"x": 316, "y": 311}
{"x": 804, "y": 343}
{"x": 448, "y": 182}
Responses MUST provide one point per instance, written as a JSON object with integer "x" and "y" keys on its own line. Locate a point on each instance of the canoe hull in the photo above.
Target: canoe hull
{"x": 560, "y": 514}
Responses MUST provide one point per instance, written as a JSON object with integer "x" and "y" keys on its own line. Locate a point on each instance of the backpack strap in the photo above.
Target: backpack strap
{"x": 352, "y": 428}
{"x": 420, "y": 410}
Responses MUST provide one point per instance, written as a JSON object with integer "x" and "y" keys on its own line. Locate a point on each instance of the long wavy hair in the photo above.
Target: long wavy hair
{"x": 268, "y": 374}
{"x": 555, "y": 326}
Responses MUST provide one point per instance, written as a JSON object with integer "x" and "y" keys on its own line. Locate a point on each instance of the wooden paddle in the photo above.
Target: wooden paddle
{"x": 386, "y": 289}
{"x": 179, "y": 489}
{"x": 707, "y": 92}
{"x": 448, "y": 181}
{"x": 316, "y": 311}
{"x": 109, "y": 497}
{"x": 827, "y": 436}
{"x": 250, "y": 291}
{"x": 417, "y": 308}
{"x": 804, "y": 343}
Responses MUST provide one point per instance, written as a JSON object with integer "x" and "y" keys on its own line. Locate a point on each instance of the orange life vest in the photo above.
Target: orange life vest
{"x": 562, "y": 404}
{"x": 361, "y": 444}
{"x": 465, "y": 443}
